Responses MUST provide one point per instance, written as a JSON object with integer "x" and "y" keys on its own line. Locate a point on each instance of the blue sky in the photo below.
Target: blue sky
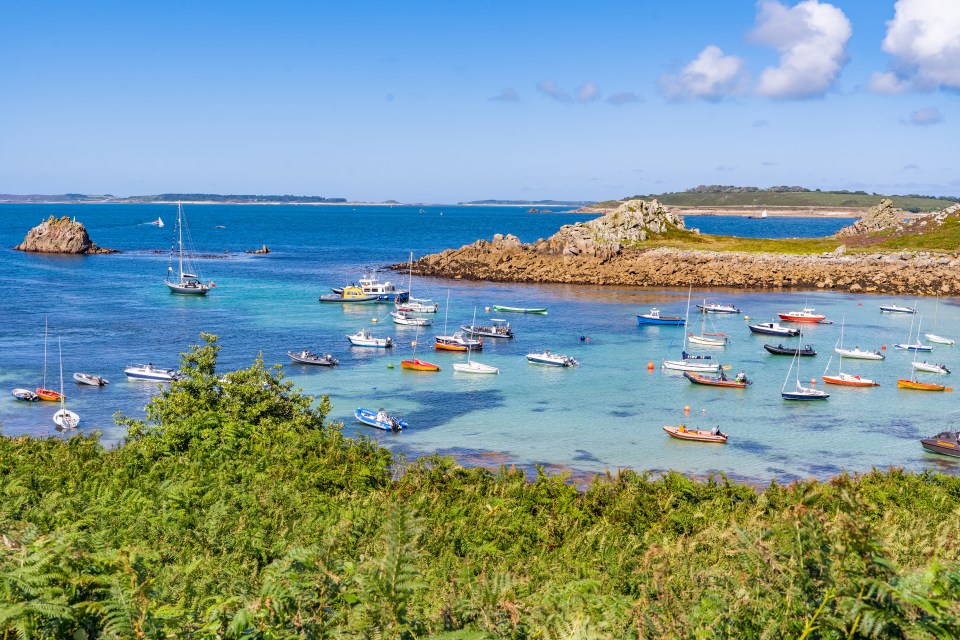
{"x": 448, "y": 101}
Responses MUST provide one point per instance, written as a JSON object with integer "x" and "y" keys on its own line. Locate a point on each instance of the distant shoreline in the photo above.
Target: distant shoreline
{"x": 755, "y": 212}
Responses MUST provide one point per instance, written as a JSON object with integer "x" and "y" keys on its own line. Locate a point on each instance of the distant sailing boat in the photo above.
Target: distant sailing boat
{"x": 800, "y": 392}
{"x": 845, "y": 379}
{"x": 932, "y": 337}
{"x": 42, "y": 391}
{"x": 64, "y": 418}
{"x": 188, "y": 283}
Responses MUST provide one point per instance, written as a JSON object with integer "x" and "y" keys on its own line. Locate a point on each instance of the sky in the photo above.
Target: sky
{"x": 458, "y": 101}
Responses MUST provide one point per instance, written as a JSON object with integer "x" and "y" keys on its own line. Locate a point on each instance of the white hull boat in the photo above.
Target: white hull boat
{"x": 474, "y": 367}
{"x": 25, "y": 394}
{"x": 893, "y": 308}
{"x": 364, "y": 338}
{"x": 403, "y": 318}
{"x": 932, "y": 337}
{"x": 930, "y": 367}
{"x": 151, "y": 373}
{"x": 89, "y": 379}
{"x": 915, "y": 346}
{"x": 718, "y": 308}
{"x": 859, "y": 353}
{"x": 188, "y": 283}
{"x": 66, "y": 419}
{"x": 551, "y": 359}
{"x": 697, "y": 366}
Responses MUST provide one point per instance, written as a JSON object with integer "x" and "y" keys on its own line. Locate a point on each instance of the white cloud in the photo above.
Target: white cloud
{"x": 887, "y": 82}
{"x": 924, "y": 39}
{"x": 507, "y": 94}
{"x": 811, "y": 38}
{"x": 587, "y": 92}
{"x": 710, "y": 76}
{"x": 926, "y": 117}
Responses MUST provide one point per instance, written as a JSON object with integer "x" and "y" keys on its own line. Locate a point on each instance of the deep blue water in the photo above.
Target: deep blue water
{"x": 113, "y": 311}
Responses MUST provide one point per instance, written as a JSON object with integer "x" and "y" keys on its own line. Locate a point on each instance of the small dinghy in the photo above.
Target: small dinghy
{"x": 498, "y": 329}
{"x": 930, "y": 367}
{"x": 364, "y": 338}
{"x": 682, "y": 433}
{"x": 537, "y": 310}
{"x": 90, "y": 379}
{"x": 309, "y": 357}
{"x": 781, "y": 350}
{"x": 945, "y": 442}
{"x": 740, "y": 382}
{"x": 25, "y": 394}
{"x": 380, "y": 419}
{"x": 418, "y": 365}
{"x": 551, "y": 359}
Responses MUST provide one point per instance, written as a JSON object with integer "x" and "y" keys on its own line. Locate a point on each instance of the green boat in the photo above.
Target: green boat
{"x": 541, "y": 311}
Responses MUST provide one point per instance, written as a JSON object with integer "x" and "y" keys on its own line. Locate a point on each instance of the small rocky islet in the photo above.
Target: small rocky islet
{"x": 609, "y": 251}
{"x": 62, "y": 236}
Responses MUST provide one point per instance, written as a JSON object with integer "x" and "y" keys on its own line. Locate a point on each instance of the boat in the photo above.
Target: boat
{"x": 150, "y": 372}
{"x": 417, "y": 365}
{"x": 773, "y": 329}
{"x": 945, "y": 442}
{"x": 415, "y": 305}
{"x": 689, "y": 362}
{"x": 721, "y": 380}
{"x": 536, "y": 310}
{"x": 90, "y": 379}
{"x": 913, "y": 346}
{"x": 806, "y": 315}
{"x": 707, "y": 339}
{"x": 459, "y": 341}
{"x": 713, "y": 435}
{"x": 933, "y": 337}
{"x": 654, "y": 317}
{"x": 364, "y": 338}
{"x": 64, "y": 418}
{"x": 498, "y": 328}
{"x": 25, "y": 394}
{"x": 781, "y": 350}
{"x": 348, "y": 295}
{"x": 859, "y": 353}
{"x": 913, "y": 383}
{"x": 845, "y": 379}
{"x": 472, "y": 366}
{"x": 42, "y": 392}
{"x": 309, "y": 357}
{"x": 404, "y": 318}
{"x": 717, "y": 308}
{"x": 800, "y": 392}
{"x": 382, "y": 291}
{"x": 551, "y": 359}
{"x": 895, "y": 308}
{"x": 188, "y": 281}
{"x": 930, "y": 367}
{"x": 380, "y": 419}
{"x": 157, "y": 223}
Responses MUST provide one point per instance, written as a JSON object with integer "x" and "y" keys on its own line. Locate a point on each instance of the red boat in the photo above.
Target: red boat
{"x": 48, "y": 395}
{"x": 805, "y": 315}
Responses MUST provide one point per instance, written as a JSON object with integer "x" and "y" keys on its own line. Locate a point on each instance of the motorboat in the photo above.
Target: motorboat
{"x": 459, "y": 341}
{"x": 348, "y": 295}
{"x": 535, "y": 310}
{"x": 895, "y": 308}
{"x": 417, "y": 305}
{"x": 25, "y": 394}
{"x": 497, "y": 329}
{"x": 382, "y": 291}
{"x": 945, "y": 442}
{"x": 364, "y": 338}
{"x": 699, "y": 435}
{"x": 932, "y": 337}
{"x": 90, "y": 379}
{"x": 418, "y": 365}
{"x": 913, "y": 346}
{"x": 692, "y": 363}
{"x": 739, "y": 382}
{"x": 380, "y": 419}
{"x": 150, "y": 372}
{"x": 654, "y": 317}
{"x": 551, "y": 359}
{"x": 805, "y": 315}
{"x": 405, "y": 319}
{"x": 781, "y": 350}
{"x": 474, "y": 367}
{"x": 930, "y": 367}
{"x": 309, "y": 357}
{"x": 859, "y": 353}
{"x": 187, "y": 280}
{"x": 773, "y": 329}
{"x": 717, "y": 308}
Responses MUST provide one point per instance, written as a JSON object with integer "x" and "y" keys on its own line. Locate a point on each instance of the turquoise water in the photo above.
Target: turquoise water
{"x": 113, "y": 311}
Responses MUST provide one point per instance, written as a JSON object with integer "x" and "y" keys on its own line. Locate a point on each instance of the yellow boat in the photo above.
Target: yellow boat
{"x": 349, "y": 294}
{"x": 418, "y": 365}
{"x": 922, "y": 386}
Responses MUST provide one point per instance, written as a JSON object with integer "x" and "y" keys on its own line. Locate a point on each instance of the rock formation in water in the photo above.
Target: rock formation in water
{"x": 260, "y": 251}
{"x": 882, "y": 217}
{"x": 60, "y": 235}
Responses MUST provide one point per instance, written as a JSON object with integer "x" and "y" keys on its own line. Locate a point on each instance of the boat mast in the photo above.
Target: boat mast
{"x": 44, "y": 353}
{"x": 180, "y": 228}
{"x": 62, "y": 399}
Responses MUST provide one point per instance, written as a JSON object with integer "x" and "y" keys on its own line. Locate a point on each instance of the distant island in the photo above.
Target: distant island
{"x": 554, "y": 203}
{"x": 80, "y": 198}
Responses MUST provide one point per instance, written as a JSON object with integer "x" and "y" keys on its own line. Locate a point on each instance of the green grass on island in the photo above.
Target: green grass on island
{"x": 238, "y": 511}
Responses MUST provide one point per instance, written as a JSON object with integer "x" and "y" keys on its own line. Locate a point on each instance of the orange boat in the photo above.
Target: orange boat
{"x": 681, "y": 432}
{"x": 418, "y": 365}
{"x": 449, "y": 346}
{"x": 921, "y": 386}
{"x": 49, "y": 395}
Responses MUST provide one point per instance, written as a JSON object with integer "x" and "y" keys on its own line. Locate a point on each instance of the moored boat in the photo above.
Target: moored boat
{"x": 912, "y": 346}
{"x": 805, "y": 315}
{"x": 718, "y": 308}
{"x": 90, "y": 379}
{"x": 740, "y": 382}
{"x": 150, "y": 372}
{"x": 849, "y": 380}
{"x": 930, "y": 367}
{"x": 379, "y": 419}
{"x": 64, "y": 418}
{"x": 187, "y": 281}
{"x": 932, "y": 337}
{"x": 418, "y": 365}
{"x": 699, "y": 435}
{"x": 309, "y": 357}
{"x": 349, "y": 295}
{"x": 773, "y": 329}
{"x": 498, "y": 329}
{"x": 804, "y": 393}
{"x": 417, "y": 305}
{"x": 945, "y": 442}
{"x": 859, "y": 353}
{"x": 551, "y": 359}
{"x": 474, "y": 367}
{"x": 920, "y": 386}
{"x": 654, "y": 317}
{"x": 25, "y": 394}
{"x": 895, "y": 308}
{"x": 535, "y": 310}
{"x": 457, "y": 342}
{"x": 780, "y": 350}
{"x": 382, "y": 291}
{"x": 364, "y": 338}
{"x": 405, "y": 319}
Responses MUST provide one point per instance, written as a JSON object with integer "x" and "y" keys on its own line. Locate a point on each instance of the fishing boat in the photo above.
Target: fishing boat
{"x": 895, "y": 308}
{"x": 689, "y": 362}
{"x": 945, "y": 442}
{"x": 380, "y": 419}
{"x": 188, "y": 280}
{"x": 800, "y": 392}
{"x": 90, "y": 379}
{"x": 717, "y": 308}
{"x": 309, "y": 357}
{"x": 773, "y": 329}
{"x": 472, "y": 366}
{"x": 64, "y": 418}
{"x": 698, "y": 435}
{"x": 806, "y": 315}
{"x": 913, "y": 346}
{"x": 536, "y": 310}
{"x": 933, "y": 337}
{"x": 42, "y": 392}
{"x": 654, "y": 317}
{"x": 404, "y": 318}
{"x": 707, "y": 339}
{"x": 413, "y": 364}
{"x": 930, "y": 367}
{"x": 721, "y": 380}
{"x": 150, "y": 372}
{"x": 25, "y": 394}
{"x": 845, "y": 379}
{"x": 859, "y": 353}
{"x": 551, "y": 359}
{"x": 364, "y": 338}
{"x": 498, "y": 328}
{"x": 781, "y": 350}
{"x": 348, "y": 295}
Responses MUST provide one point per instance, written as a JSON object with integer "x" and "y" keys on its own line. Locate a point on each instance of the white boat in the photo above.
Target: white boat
{"x": 859, "y": 353}
{"x": 364, "y": 338}
{"x": 913, "y": 346}
{"x": 717, "y": 308}
{"x": 186, "y": 282}
{"x": 379, "y": 419}
{"x": 157, "y": 223}
{"x": 842, "y": 378}
{"x": 689, "y": 362}
{"x": 309, "y": 357}
{"x": 895, "y": 308}
{"x": 773, "y": 329}
{"x": 415, "y": 305}
{"x": 90, "y": 379}
{"x": 930, "y": 367}
{"x": 472, "y": 366}
{"x": 707, "y": 339}
{"x": 150, "y": 372}
{"x": 800, "y": 392}
{"x": 551, "y": 359}
{"x": 404, "y": 318}
{"x": 933, "y": 337}
{"x": 64, "y": 418}
{"x": 25, "y": 394}
{"x": 381, "y": 291}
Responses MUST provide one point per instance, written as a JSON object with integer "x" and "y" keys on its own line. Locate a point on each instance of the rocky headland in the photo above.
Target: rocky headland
{"x": 609, "y": 251}
{"x": 60, "y": 235}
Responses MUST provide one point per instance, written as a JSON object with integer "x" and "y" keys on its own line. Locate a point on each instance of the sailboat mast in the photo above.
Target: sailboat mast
{"x": 44, "y": 353}
{"x": 60, "y": 351}
{"x": 180, "y": 241}
{"x": 410, "y": 279}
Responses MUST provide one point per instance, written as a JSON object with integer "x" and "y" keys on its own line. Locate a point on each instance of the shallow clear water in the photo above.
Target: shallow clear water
{"x": 113, "y": 311}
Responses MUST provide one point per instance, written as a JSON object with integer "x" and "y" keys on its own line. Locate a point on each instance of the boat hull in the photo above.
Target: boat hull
{"x": 801, "y": 318}
{"x": 369, "y": 418}
{"x": 334, "y": 298}
{"x": 801, "y": 395}
{"x": 684, "y": 365}
{"x": 920, "y": 386}
{"x": 326, "y": 360}
{"x": 913, "y": 347}
{"x": 931, "y": 368}
{"x": 25, "y": 395}
{"x": 718, "y": 308}
{"x": 768, "y": 330}
{"x": 66, "y": 419}
{"x": 49, "y": 395}
{"x": 93, "y": 381}
{"x": 682, "y": 433}
{"x": 474, "y": 367}
{"x": 150, "y": 374}
{"x": 539, "y": 311}
{"x": 707, "y": 342}
{"x": 188, "y": 288}
{"x": 418, "y": 365}
{"x": 496, "y": 331}
{"x": 944, "y": 443}
{"x": 713, "y": 381}
{"x": 781, "y": 350}
{"x": 860, "y": 355}
{"x": 551, "y": 359}
{"x": 662, "y": 320}
{"x": 932, "y": 337}
{"x": 848, "y": 380}
{"x": 892, "y": 308}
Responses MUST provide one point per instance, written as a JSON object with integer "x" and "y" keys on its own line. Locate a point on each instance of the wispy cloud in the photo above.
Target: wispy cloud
{"x": 761, "y": 123}
{"x": 551, "y": 89}
{"x": 507, "y": 94}
{"x": 887, "y": 82}
{"x": 624, "y": 97}
{"x": 712, "y": 75}
{"x": 587, "y": 92}
{"x": 811, "y": 39}
{"x": 910, "y": 167}
{"x": 926, "y": 117}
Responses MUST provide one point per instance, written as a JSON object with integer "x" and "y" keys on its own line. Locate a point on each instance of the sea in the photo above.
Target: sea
{"x": 107, "y": 312}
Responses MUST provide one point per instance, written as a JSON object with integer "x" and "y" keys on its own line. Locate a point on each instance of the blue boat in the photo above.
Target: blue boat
{"x": 379, "y": 419}
{"x": 654, "y": 317}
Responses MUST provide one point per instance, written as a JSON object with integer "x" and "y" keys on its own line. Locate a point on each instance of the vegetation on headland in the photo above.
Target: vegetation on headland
{"x": 238, "y": 511}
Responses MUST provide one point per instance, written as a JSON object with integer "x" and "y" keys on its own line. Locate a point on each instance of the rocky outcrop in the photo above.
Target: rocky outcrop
{"x": 882, "y": 217}
{"x": 60, "y": 235}
{"x": 260, "y": 251}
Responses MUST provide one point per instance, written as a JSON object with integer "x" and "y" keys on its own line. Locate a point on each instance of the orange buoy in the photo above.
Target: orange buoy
{"x": 813, "y": 381}
{"x": 650, "y": 366}
{"x": 883, "y": 348}
{"x": 686, "y": 409}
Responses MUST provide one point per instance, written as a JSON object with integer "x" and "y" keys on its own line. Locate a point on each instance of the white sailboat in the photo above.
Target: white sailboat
{"x": 913, "y": 346}
{"x": 800, "y": 392}
{"x": 933, "y": 337}
{"x": 415, "y": 305}
{"x": 472, "y": 366}
{"x": 187, "y": 282}
{"x": 64, "y": 418}
{"x": 690, "y": 362}
{"x": 707, "y": 339}
{"x": 841, "y": 378}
